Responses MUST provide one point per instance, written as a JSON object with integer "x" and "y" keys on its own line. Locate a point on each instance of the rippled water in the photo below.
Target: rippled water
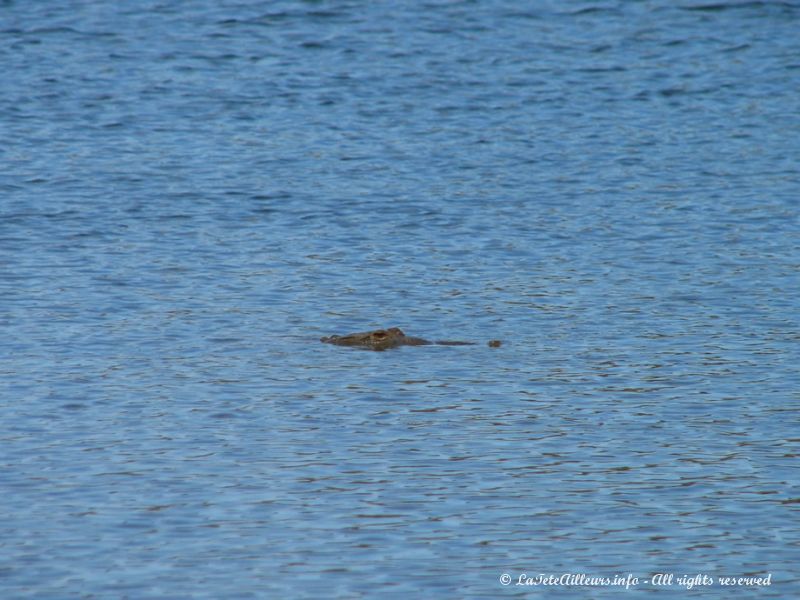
{"x": 191, "y": 195}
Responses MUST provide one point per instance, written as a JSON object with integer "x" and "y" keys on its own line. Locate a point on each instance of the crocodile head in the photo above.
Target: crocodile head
{"x": 379, "y": 339}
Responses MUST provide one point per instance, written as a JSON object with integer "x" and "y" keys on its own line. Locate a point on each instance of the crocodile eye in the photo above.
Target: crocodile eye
{"x": 379, "y": 335}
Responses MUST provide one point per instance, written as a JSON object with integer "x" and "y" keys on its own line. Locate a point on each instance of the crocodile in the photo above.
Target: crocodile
{"x": 383, "y": 339}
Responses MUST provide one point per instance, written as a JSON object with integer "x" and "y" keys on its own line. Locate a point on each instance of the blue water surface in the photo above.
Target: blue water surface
{"x": 192, "y": 194}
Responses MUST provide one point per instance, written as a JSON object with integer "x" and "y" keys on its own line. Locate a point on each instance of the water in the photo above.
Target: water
{"x": 191, "y": 195}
